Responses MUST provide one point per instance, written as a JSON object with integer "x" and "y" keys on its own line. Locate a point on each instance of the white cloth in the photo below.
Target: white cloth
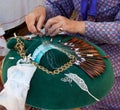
{"x": 12, "y": 12}
{"x": 14, "y": 94}
{"x": 3, "y": 45}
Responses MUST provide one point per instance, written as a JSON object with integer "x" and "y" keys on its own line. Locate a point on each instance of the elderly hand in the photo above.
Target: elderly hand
{"x": 59, "y": 23}
{"x": 53, "y": 26}
{"x": 35, "y": 20}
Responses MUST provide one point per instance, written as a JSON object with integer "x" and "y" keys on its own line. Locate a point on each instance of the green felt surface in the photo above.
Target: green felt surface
{"x": 49, "y": 91}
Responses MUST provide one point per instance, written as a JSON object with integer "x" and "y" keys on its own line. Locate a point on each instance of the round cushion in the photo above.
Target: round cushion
{"x": 68, "y": 88}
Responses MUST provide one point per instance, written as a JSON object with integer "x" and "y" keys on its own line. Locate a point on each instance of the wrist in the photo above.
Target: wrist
{"x": 80, "y": 27}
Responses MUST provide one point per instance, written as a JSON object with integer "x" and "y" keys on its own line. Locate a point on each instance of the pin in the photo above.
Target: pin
{"x": 59, "y": 41}
{"x": 51, "y": 39}
{"x": 11, "y": 58}
{"x": 65, "y": 43}
{"x": 15, "y": 35}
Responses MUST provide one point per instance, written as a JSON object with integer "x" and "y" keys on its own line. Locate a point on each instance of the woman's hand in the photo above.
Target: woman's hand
{"x": 35, "y": 20}
{"x": 59, "y": 23}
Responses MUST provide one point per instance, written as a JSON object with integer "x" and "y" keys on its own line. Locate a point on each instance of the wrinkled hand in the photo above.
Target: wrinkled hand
{"x": 59, "y": 23}
{"x": 35, "y": 20}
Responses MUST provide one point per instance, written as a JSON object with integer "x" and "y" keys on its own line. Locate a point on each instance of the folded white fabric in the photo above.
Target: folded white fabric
{"x": 14, "y": 94}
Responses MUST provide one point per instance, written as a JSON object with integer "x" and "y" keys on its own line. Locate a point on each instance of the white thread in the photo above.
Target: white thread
{"x": 80, "y": 82}
{"x": 66, "y": 79}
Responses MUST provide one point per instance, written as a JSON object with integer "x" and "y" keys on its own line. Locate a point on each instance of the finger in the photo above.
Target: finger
{"x": 50, "y": 22}
{"x": 55, "y": 32}
{"x": 30, "y": 21}
{"x": 40, "y": 22}
{"x": 53, "y": 29}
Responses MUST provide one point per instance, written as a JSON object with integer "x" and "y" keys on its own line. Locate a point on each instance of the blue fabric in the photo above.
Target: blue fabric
{"x": 40, "y": 51}
{"x": 88, "y": 9}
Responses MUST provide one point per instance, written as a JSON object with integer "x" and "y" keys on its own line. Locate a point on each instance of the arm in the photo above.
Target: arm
{"x": 59, "y": 7}
{"x": 105, "y": 32}
{"x": 35, "y": 20}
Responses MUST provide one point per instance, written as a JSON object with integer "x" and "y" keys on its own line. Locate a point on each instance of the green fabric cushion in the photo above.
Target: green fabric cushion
{"x": 49, "y": 91}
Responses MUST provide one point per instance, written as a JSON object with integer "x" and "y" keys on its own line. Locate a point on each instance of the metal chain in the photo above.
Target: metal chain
{"x": 20, "y": 47}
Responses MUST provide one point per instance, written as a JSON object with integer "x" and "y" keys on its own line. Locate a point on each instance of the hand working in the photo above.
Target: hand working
{"x": 35, "y": 20}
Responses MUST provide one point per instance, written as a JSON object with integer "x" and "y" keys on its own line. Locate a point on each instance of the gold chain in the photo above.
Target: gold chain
{"x": 20, "y": 47}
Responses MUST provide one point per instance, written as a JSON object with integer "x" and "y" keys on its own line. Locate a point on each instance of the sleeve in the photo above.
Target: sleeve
{"x": 2, "y": 31}
{"x": 59, "y": 7}
{"x": 104, "y": 32}
{"x": 3, "y": 43}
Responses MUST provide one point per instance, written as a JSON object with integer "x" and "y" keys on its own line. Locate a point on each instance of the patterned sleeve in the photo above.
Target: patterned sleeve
{"x": 59, "y": 7}
{"x": 104, "y": 32}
